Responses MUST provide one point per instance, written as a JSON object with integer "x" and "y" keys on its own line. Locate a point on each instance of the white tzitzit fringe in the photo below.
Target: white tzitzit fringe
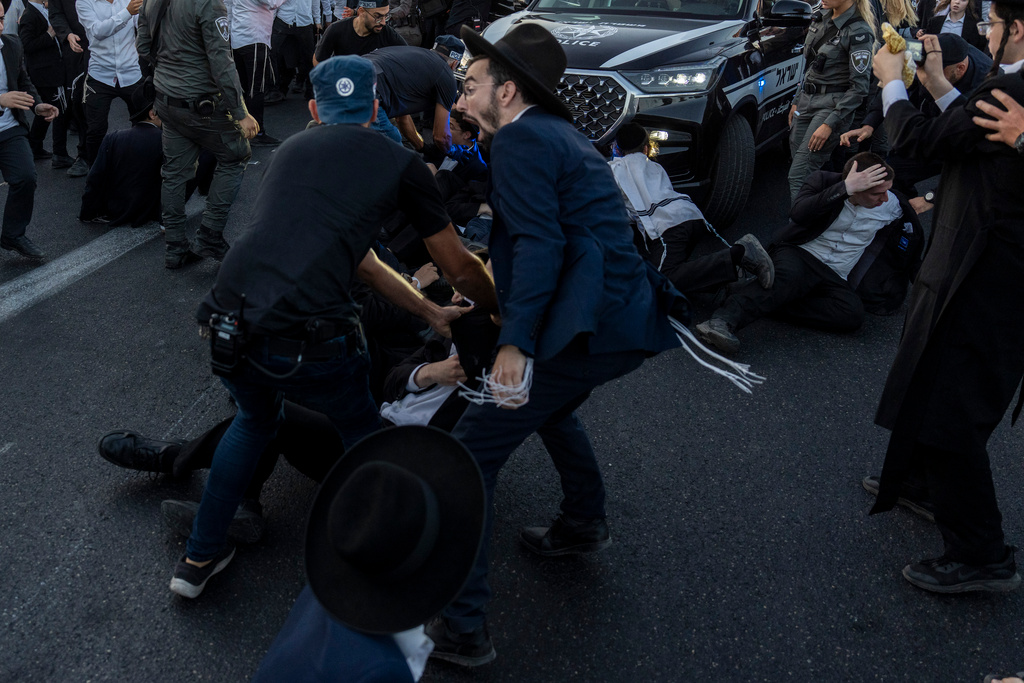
{"x": 518, "y": 395}
{"x": 742, "y": 377}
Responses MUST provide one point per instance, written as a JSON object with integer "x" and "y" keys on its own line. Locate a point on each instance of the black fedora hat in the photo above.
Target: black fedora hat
{"x": 142, "y": 101}
{"x": 531, "y": 53}
{"x": 395, "y": 529}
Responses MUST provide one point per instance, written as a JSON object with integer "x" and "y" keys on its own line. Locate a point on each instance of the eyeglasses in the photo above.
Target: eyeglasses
{"x": 470, "y": 90}
{"x": 985, "y": 27}
{"x": 379, "y": 18}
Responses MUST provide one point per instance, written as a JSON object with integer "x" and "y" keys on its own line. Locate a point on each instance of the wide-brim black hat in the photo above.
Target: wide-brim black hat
{"x": 381, "y": 602}
{"x": 142, "y": 98}
{"x": 531, "y": 53}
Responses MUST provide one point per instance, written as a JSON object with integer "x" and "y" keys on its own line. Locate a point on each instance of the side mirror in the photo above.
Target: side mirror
{"x": 788, "y": 13}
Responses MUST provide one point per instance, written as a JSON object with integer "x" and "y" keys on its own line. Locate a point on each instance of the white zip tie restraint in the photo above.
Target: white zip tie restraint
{"x": 741, "y": 377}
{"x": 518, "y": 395}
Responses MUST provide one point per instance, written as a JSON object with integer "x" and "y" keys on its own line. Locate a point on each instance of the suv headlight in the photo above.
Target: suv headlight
{"x": 667, "y": 80}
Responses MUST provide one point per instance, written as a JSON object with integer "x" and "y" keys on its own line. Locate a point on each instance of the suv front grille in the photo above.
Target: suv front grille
{"x": 596, "y": 102}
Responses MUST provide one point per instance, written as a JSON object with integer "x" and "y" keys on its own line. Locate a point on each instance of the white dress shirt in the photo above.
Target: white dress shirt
{"x": 110, "y": 29}
{"x": 843, "y": 243}
{"x": 12, "y": 16}
{"x": 954, "y": 27}
{"x": 252, "y": 21}
{"x": 298, "y": 12}
{"x": 7, "y": 120}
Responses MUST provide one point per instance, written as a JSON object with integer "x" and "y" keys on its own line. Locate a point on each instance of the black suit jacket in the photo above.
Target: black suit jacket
{"x": 42, "y": 51}
{"x": 64, "y": 19}
{"x": 17, "y": 76}
{"x": 970, "y": 30}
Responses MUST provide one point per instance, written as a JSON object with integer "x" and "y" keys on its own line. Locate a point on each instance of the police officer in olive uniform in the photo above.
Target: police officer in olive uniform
{"x": 837, "y": 78}
{"x": 199, "y": 100}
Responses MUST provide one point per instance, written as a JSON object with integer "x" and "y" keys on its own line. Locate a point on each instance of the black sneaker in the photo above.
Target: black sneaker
{"x": 465, "y": 649}
{"x": 211, "y": 244}
{"x": 942, "y": 575}
{"x": 567, "y": 536}
{"x": 247, "y": 526}
{"x": 61, "y": 161}
{"x": 179, "y": 254}
{"x": 756, "y": 261}
{"x": 264, "y": 140}
{"x": 136, "y": 452}
{"x": 189, "y": 580}
{"x": 921, "y": 508}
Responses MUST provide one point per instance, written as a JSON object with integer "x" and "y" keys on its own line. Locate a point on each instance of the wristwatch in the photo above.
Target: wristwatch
{"x": 929, "y": 197}
{"x": 1019, "y": 144}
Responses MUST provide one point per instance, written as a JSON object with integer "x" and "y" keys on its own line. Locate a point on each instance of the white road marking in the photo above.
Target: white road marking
{"x": 46, "y": 280}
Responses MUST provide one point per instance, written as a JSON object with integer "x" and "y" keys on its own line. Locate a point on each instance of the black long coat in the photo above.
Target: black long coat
{"x": 961, "y": 356}
{"x": 42, "y": 51}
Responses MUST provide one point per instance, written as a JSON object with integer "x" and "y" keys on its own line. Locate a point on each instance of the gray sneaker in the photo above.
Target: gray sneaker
{"x": 922, "y": 508}
{"x": 756, "y": 261}
{"x": 718, "y": 334}
{"x": 246, "y": 526}
{"x": 78, "y": 169}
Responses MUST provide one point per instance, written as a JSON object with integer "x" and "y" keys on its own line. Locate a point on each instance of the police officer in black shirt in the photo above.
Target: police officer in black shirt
{"x": 412, "y": 80}
{"x": 281, "y": 313}
{"x": 367, "y": 31}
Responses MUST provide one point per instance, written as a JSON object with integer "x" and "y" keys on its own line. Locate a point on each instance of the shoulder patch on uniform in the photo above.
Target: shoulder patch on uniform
{"x": 224, "y": 28}
{"x": 861, "y": 59}
{"x": 861, "y": 38}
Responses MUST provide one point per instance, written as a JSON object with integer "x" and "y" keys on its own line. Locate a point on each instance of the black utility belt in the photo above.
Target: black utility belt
{"x": 204, "y": 105}
{"x": 344, "y": 344}
{"x": 815, "y": 89}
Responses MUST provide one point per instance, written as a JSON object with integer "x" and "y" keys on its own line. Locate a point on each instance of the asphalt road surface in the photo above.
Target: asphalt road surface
{"x": 742, "y": 550}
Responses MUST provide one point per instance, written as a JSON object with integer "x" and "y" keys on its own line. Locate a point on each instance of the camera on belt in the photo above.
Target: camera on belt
{"x": 227, "y": 344}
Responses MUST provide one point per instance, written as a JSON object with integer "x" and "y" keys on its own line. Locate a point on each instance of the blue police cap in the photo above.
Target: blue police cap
{"x": 344, "y": 88}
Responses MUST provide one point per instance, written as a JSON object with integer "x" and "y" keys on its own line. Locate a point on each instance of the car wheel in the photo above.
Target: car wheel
{"x": 732, "y": 173}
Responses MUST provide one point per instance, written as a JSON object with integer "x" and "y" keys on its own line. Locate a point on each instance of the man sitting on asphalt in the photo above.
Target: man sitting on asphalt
{"x": 850, "y": 242}
{"x": 668, "y": 225}
{"x": 123, "y": 187}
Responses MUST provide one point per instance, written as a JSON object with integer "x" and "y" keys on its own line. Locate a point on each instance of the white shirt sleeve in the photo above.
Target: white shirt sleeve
{"x": 893, "y": 92}
{"x": 943, "y": 102}
{"x": 411, "y": 385}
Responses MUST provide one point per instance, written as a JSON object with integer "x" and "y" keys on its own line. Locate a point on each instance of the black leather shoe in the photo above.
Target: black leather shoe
{"x": 567, "y": 536}
{"x": 465, "y": 649}
{"x": 23, "y": 246}
{"x": 136, "y": 452}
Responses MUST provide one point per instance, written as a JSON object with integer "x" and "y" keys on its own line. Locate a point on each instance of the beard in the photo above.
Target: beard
{"x": 489, "y": 117}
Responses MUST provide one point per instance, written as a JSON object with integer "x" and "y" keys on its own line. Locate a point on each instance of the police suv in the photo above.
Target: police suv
{"x": 711, "y": 80}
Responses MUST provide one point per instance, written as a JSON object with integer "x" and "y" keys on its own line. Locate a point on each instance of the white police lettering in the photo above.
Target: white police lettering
{"x": 583, "y": 35}
{"x": 223, "y": 28}
{"x": 345, "y": 86}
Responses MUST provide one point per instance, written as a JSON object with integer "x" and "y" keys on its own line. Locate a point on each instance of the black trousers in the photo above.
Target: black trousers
{"x": 806, "y": 292}
{"x": 967, "y": 515}
{"x": 671, "y": 255}
{"x": 256, "y": 75}
{"x": 40, "y": 125}
{"x": 19, "y": 171}
{"x": 98, "y": 97}
{"x": 307, "y": 440}
{"x": 292, "y": 48}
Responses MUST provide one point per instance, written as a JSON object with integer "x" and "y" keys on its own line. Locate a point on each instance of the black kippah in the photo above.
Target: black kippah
{"x": 630, "y": 137}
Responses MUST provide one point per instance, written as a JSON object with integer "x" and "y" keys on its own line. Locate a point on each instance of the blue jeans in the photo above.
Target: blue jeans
{"x": 338, "y": 387}
{"x": 383, "y": 124}
{"x": 560, "y": 386}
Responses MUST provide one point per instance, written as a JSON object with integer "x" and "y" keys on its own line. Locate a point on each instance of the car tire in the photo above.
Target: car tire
{"x": 732, "y": 173}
